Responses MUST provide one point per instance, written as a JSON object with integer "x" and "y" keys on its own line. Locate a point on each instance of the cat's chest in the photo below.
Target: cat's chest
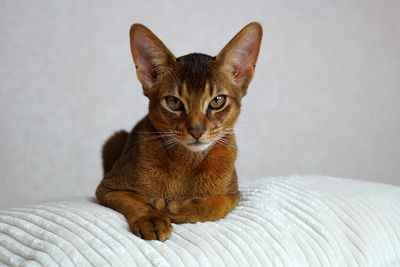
{"x": 186, "y": 176}
{"x": 181, "y": 181}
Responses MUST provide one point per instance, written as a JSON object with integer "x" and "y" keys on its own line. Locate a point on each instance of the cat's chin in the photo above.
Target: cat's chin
{"x": 198, "y": 147}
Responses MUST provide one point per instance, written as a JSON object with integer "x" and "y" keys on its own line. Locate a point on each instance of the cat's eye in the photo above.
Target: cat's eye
{"x": 174, "y": 103}
{"x": 218, "y": 102}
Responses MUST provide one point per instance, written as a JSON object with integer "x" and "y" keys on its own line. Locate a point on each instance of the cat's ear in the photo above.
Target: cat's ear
{"x": 150, "y": 55}
{"x": 238, "y": 58}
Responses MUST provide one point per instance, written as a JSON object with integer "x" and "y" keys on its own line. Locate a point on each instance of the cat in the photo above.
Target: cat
{"x": 178, "y": 163}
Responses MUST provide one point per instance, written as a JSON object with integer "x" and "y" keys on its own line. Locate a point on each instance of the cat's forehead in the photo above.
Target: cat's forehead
{"x": 195, "y": 72}
{"x": 195, "y": 62}
{"x": 195, "y": 79}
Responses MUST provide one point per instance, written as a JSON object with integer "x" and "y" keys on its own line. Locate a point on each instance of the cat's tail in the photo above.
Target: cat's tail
{"x": 112, "y": 149}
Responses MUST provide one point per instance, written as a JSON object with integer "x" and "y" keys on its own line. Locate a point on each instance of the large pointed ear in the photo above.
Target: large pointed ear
{"x": 238, "y": 58}
{"x": 150, "y": 55}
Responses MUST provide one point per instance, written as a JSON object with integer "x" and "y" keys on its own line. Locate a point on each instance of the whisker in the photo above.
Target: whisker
{"x": 154, "y": 137}
{"x": 236, "y": 130}
{"x": 153, "y": 132}
{"x": 224, "y": 142}
{"x": 230, "y": 133}
{"x": 173, "y": 144}
{"x": 169, "y": 143}
{"x": 158, "y": 136}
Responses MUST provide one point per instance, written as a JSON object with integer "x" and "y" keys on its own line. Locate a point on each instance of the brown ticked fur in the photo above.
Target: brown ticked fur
{"x": 179, "y": 165}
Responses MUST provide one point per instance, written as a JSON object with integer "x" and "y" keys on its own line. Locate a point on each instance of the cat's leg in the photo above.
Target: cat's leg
{"x": 144, "y": 220}
{"x": 198, "y": 209}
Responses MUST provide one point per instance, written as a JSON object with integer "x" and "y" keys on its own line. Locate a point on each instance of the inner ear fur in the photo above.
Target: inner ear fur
{"x": 238, "y": 58}
{"x": 150, "y": 55}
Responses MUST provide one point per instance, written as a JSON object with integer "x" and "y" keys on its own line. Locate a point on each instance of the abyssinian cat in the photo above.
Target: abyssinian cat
{"x": 178, "y": 163}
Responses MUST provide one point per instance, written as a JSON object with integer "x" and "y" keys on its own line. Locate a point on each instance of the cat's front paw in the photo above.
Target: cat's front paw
{"x": 152, "y": 227}
{"x": 161, "y": 204}
{"x": 169, "y": 206}
{"x": 180, "y": 211}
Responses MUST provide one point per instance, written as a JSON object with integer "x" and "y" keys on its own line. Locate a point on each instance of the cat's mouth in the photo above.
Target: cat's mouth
{"x": 197, "y": 146}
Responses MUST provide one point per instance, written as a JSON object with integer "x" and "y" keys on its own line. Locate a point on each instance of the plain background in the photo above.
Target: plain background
{"x": 324, "y": 100}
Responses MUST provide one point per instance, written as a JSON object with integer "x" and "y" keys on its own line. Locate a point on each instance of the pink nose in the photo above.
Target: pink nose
{"x": 196, "y": 132}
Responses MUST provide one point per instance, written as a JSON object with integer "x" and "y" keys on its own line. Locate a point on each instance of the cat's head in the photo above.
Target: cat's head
{"x": 195, "y": 99}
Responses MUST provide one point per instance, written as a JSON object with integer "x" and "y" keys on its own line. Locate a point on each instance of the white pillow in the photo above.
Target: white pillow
{"x": 282, "y": 221}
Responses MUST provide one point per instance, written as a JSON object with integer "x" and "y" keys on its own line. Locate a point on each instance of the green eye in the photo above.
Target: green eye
{"x": 174, "y": 103}
{"x": 218, "y": 102}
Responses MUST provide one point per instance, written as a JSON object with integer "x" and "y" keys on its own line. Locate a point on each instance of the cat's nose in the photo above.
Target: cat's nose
{"x": 196, "y": 132}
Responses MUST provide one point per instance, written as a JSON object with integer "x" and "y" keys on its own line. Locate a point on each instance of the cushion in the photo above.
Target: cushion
{"x": 280, "y": 221}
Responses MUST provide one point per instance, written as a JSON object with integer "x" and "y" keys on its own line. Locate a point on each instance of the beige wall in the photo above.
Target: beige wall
{"x": 325, "y": 98}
